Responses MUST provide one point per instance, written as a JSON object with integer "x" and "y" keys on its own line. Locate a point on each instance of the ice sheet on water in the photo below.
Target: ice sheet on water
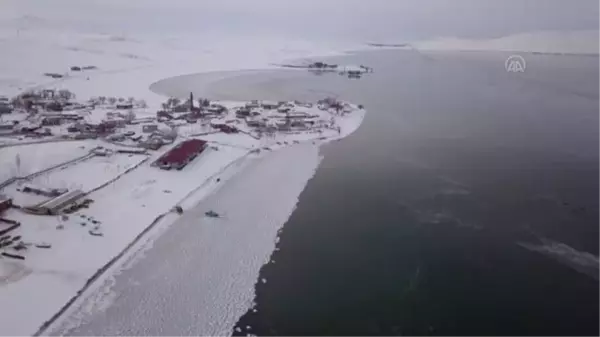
{"x": 583, "y": 262}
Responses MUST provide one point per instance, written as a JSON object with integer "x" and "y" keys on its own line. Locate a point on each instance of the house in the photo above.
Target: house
{"x": 52, "y": 120}
{"x": 5, "y": 203}
{"x": 255, "y": 122}
{"x": 124, "y": 106}
{"x": 297, "y": 115}
{"x": 284, "y": 109}
{"x": 142, "y": 120}
{"x": 164, "y": 114}
{"x": 5, "y": 108}
{"x": 54, "y": 205}
{"x": 53, "y": 75}
{"x": 298, "y": 124}
{"x": 181, "y": 108}
{"x": 225, "y": 128}
{"x": 99, "y": 128}
{"x": 101, "y": 151}
{"x": 181, "y": 155}
{"x": 215, "y": 109}
{"x": 284, "y": 127}
{"x": 54, "y": 106}
{"x": 86, "y": 135}
{"x": 48, "y": 93}
{"x": 270, "y": 105}
{"x": 152, "y": 143}
{"x": 252, "y": 104}
{"x": 27, "y": 127}
{"x": 243, "y": 112}
{"x": 7, "y": 125}
{"x": 149, "y": 128}
{"x": 118, "y": 137}
{"x": 114, "y": 123}
{"x": 132, "y": 151}
{"x": 43, "y": 132}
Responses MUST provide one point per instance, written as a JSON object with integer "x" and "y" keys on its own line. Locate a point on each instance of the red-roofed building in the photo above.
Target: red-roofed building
{"x": 181, "y": 155}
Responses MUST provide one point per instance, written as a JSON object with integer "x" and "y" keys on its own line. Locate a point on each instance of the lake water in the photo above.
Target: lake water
{"x": 466, "y": 204}
{"x": 419, "y": 222}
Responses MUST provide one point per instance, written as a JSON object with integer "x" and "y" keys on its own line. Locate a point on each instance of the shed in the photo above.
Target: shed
{"x": 5, "y": 203}
{"x": 149, "y": 128}
{"x": 54, "y": 205}
{"x": 270, "y": 105}
{"x": 125, "y": 106}
{"x": 5, "y": 108}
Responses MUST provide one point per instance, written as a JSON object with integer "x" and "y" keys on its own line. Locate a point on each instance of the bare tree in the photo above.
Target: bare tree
{"x": 112, "y": 100}
{"x": 121, "y": 99}
{"x": 130, "y": 115}
{"x": 65, "y": 94}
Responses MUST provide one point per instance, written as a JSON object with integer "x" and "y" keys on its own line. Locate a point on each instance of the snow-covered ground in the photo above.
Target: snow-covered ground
{"x": 23, "y": 160}
{"x": 124, "y": 66}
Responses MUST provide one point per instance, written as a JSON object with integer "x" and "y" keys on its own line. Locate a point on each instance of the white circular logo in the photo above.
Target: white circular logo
{"x": 515, "y": 64}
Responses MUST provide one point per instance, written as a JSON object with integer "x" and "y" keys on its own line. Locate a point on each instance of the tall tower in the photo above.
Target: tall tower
{"x": 191, "y": 101}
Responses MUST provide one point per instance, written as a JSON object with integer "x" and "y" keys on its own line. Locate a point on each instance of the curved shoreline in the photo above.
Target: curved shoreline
{"x": 176, "y": 86}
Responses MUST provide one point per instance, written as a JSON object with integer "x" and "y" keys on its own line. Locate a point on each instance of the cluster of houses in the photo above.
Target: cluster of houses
{"x": 175, "y": 110}
{"x": 270, "y": 117}
{"x": 46, "y": 109}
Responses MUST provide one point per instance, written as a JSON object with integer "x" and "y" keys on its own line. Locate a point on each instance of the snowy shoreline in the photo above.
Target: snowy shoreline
{"x": 75, "y": 312}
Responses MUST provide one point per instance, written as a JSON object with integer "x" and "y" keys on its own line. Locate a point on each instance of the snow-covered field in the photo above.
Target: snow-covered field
{"x": 26, "y": 159}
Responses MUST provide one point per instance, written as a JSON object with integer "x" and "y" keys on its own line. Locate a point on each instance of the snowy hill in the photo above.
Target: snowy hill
{"x": 574, "y": 42}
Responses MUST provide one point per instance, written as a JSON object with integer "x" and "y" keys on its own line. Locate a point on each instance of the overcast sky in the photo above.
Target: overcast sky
{"x": 389, "y": 20}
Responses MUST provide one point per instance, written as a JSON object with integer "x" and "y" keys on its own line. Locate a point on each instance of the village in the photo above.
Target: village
{"x": 64, "y": 160}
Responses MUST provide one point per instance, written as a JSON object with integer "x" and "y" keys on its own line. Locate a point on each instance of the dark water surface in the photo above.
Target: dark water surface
{"x": 419, "y": 222}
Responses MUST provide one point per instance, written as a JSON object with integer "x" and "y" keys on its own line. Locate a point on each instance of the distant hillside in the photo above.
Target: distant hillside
{"x": 575, "y": 42}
